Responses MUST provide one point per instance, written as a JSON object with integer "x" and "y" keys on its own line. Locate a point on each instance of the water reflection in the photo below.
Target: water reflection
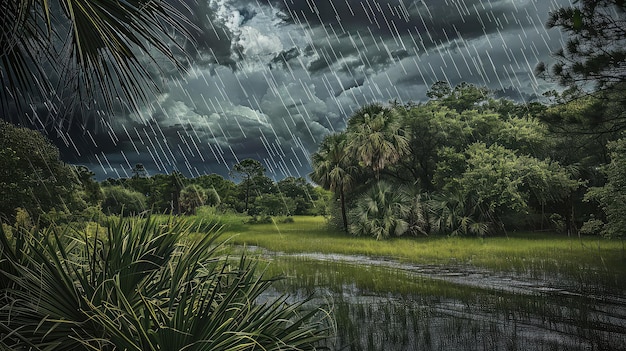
{"x": 382, "y": 304}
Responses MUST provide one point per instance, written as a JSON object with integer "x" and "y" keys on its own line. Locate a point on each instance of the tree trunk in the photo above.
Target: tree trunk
{"x": 342, "y": 197}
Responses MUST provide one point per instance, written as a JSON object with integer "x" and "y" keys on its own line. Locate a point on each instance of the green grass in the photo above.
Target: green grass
{"x": 585, "y": 259}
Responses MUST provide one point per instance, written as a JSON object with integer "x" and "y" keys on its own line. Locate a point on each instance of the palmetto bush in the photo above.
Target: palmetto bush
{"x": 382, "y": 211}
{"x": 141, "y": 286}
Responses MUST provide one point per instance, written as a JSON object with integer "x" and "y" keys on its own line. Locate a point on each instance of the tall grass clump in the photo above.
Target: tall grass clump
{"x": 139, "y": 285}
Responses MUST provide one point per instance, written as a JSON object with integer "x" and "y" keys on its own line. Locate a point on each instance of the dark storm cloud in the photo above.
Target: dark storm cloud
{"x": 213, "y": 39}
{"x": 379, "y": 33}
{"x": 268, "y": 80}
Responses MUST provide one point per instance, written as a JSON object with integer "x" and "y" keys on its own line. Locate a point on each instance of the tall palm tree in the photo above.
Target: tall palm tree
{"x": 376, "y": 139}
{"x": 333, "y": 169}
{"x": 57, "y": 51}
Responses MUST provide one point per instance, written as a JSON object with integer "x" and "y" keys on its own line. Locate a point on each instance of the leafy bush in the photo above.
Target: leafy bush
{"x": 191, "y": 197}
{"x": 139, "y": 286}
{"x": 381, "y": 212}
{"x": 119, "y": 200}
{"x": 259, "y": 220}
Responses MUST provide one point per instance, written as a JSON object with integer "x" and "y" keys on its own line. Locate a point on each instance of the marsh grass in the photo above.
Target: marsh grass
{"x": 380, "y": 308}
{"x": 590, "y": 262}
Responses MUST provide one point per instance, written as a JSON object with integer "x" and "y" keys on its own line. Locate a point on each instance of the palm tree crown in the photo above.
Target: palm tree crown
{"x": 377, "y": 141}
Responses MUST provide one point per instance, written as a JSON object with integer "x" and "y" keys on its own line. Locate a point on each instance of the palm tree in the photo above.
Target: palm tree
{"x": 55, "y": 51}
{"x": 334, "y": 170}
{"x": 376, "y": 139}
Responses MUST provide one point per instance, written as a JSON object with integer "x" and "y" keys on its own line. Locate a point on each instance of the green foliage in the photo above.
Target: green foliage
{"x": 191, "y": 197}
{"x": 92, "y": 49}
{"x": 32, "y": 177}
{"x": 259, "y": 220}
{"x": 334, "y": 169}
{"x": 212, "y": 197}
{"x": 91, "y": 188}
{"x": 381, "y": 212}
{"x": 251, "y": 172}
{"x": 300, "y": 191}
{"x": 121, "y": 201}
{"x": 275, "y": 205}
{"x": 462, "y": 97}
{"x": 496, "y": 181}
{"x": 489, "y": 157}
{"x": 376, "y": 140}
{"x": 595, "y": 50}
{"x": 612, "y": 196}
{"x": 140, "y": 286}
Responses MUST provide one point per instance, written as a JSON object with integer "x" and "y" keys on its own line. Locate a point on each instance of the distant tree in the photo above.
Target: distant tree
{"x": 122, "y": 201}
{"x": 462, "y": 97}
{"x": 32, "y": 176}
{"x": 224, "y": 187}
{"x": 93, "y": 192}
{"x": 139, "y": 171}
{"x": 247, "y": 170}
{"x": 275, "y": 205}
{"x": 191, "y": 197}
{"x": 212, "y": 197}
{"x": 176, "y": 184}
{"x": 334, "y": 170}
{"x": 612, "y": 196}
{"x": 300, "y": 191}
{"x": 165, "y": 191}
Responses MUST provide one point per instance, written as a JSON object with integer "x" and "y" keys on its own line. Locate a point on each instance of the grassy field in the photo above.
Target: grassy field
{"x": 586, "y": 259}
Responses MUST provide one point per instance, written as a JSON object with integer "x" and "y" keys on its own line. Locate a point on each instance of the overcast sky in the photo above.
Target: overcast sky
{"x": 270, "y": 78}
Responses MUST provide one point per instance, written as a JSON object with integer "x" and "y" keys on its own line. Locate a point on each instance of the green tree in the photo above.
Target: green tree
{"x": 462, "y": 97}
{"x": 497, "y": 182}
{"x": 247, "y": 170}
{"x": 212, "y": 197}
{"x": 93, "y": 48}
{"x": 612, "y": 196}
{"x": 376, "y": 140}
{"x": 31, "y": 175}
{"x": 275, "y": 205}
{"x": 595, "y": 51}
{"x": 300, "y": 191}
{"x": 93, "y": 192}
{"x": 191, "y": 197}
{"x": 225, "y": 188}
{"x": 430, "y": 127}
{"x": 121, "y": 201}
{"x": 334, "y": 169}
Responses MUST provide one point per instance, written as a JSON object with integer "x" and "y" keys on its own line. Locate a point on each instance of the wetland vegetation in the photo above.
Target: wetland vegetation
{"x": 524, "y": 292}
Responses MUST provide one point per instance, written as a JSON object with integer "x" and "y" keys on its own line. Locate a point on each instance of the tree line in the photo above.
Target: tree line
{"x": 465, "y": 163}
{"x": 35, "y": 181}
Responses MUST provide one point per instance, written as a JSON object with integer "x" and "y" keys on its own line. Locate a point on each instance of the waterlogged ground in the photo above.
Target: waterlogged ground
{"x": 382, "y": 304}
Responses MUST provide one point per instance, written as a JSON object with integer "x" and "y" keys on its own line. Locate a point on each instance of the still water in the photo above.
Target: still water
{"x": 381, "y": 304}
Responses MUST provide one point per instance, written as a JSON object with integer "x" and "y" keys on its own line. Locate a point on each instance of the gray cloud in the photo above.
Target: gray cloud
{"x": 268, "y": 80}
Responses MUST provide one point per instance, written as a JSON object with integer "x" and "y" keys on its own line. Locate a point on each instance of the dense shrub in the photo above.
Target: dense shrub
{"x": 139, "y": 286}
{"x": 121, "y": 201}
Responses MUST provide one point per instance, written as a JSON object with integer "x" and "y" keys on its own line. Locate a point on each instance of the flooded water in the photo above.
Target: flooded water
{"x": 383, "y": 304}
